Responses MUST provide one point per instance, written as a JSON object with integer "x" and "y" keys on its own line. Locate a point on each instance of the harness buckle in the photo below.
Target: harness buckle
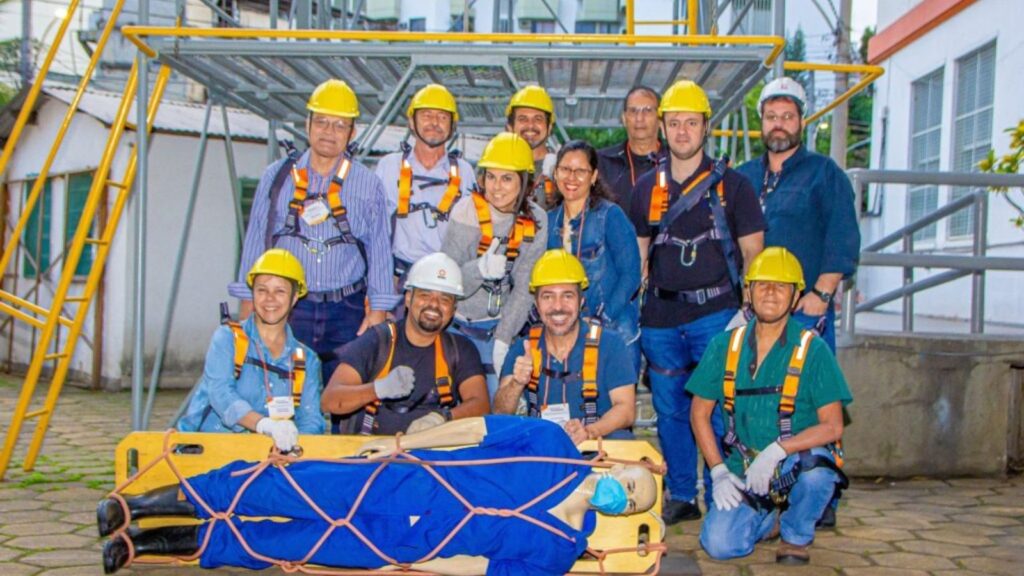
{"x": 702, "y": 295}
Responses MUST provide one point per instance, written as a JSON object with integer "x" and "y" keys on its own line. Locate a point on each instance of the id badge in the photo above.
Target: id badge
{"x": 315, "y": 212}
{"x": 557, "y": 413}
{"x": 281, "y": 408}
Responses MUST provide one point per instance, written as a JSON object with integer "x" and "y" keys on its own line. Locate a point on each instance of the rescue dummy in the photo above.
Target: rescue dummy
{"x": 531, "y": 516}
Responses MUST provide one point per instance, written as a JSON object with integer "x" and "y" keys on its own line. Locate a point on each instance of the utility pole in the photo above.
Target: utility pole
{"x": 26, "y": 43}
{"x": 840, "y": 116}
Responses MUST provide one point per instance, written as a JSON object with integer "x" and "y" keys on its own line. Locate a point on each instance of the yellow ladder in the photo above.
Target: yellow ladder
{"x": 46, "y": 321}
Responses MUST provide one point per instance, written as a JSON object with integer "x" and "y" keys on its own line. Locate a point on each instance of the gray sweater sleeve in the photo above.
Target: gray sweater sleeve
{"x": 460, "y": 242}
{"x": 516, "y": 308}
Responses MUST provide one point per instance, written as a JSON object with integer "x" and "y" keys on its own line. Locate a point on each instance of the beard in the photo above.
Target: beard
{"x": 777, "y": 144}
{"x": 428, "y": 324}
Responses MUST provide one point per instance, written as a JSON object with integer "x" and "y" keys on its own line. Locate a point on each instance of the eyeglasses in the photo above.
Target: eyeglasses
{"x": 636, "y": 111}
{"x": 578, "y": 173}
{"x": 787, "y": 117}
{"x": 338, "y": 126}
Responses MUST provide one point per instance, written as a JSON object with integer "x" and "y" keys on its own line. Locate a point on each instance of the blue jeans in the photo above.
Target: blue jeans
{"x": 325, "y": 327}
{"x": 672, "y": 353}
{"x": 828, "y": 326}
{"x": 733, "y": 533}
{"x": 481, "y": 334}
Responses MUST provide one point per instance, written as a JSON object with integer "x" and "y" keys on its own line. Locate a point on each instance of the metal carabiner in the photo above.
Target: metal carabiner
{"x": 494, "y": 302}
{"x": 429, "y": 218}
{"x": 684, "y": 246}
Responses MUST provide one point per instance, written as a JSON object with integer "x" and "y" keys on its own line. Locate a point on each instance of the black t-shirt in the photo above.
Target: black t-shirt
{"x": 366, "y": 355}
{"x": 613, "y": 164}
{"x": 744, "y": 216}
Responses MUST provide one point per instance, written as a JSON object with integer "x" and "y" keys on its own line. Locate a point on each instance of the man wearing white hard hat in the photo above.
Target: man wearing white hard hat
{"x": 411, "y": 375}
{"x": 808, "y": 203}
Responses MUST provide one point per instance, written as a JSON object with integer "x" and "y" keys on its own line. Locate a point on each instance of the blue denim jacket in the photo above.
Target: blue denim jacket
{"x": 810, "y": 213}
{"x": 220, "y": 401}
{"x": 611, "y": 259}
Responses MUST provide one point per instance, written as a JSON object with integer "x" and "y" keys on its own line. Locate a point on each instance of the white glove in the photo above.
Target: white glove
{"x": 283, "y": 432}
{"x": 761, "y": 471}
{"x": 547, "y": 167}
{"x": 425, "y": 422}
{"x": 726, "y": 488}
{"x": 397, "y": 384}
{"x": 738, "y": 319}
{"x": 498, "y": 356}
{"x": 492, "y": 264}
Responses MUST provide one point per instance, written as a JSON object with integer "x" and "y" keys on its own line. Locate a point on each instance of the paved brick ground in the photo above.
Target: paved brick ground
{"x": 913, "y": 528}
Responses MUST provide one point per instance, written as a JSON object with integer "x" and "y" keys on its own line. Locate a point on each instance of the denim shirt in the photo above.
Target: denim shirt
{"x": 810, "y": 212}
{"x": 220, "y": 401}
{"x": 611, "y": 258}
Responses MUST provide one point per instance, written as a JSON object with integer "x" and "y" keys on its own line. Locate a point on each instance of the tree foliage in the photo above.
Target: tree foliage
{"x": 1009, "y": 163}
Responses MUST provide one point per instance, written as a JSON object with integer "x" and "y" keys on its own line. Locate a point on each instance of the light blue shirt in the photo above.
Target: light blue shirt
{"x": 342, "y": 265}
{"x": 420, "y": 233}
{"x": 220, "y": 400}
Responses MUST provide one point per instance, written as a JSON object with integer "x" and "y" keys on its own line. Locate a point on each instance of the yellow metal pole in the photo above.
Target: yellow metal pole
{"x": 84, "y": 229}
{"x": 71, "y": 262}
{"x": 630, "y": 18}
{"x": 20, "y": 302}
{"x": 33, "y": 93}
{"x": 691, "y": 17}
{"x": 40, "y": 181}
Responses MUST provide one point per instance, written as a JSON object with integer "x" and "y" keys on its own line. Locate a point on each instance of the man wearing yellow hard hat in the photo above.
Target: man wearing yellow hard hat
{"x": 327, "y": 210}
{"x": 258, "y": 376}
{"x": 567, "y": 370}
{"x": 698, "y": 223}
{"x": 783, "y": 395}
{"x": 424, "y": 181}
{"x": 531, "y": 114}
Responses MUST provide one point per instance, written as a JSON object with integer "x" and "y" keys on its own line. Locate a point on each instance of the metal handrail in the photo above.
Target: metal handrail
{"x": 976, "y": 264}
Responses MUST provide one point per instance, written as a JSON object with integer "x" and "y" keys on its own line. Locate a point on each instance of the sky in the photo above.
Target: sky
{"x": 865, "y": 13}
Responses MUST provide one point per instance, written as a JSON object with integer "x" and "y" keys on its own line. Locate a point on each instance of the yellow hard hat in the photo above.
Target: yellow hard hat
{"x": 334, "y": 98}
{"x": 776, "y": 264}
{"x": 279, "y": 262}
{"x": 507, "y": 151}
{"x": 532, "y": 97}
{"x": 558, "y": 267}
{"x": 435, "y": 97}
{"x": 685, "y": 96}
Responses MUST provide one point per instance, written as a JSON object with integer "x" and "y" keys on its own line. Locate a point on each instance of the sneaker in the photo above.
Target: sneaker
{"x": 676, "y": 511}
{"x": 828, "y": 518}
{"x": 791, "y": 554}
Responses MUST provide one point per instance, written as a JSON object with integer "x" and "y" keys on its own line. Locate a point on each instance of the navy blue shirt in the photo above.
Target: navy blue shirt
{"x": 620, "y": 169}
{"x": 811, "y": 212}
{"x": 744, "y": 217}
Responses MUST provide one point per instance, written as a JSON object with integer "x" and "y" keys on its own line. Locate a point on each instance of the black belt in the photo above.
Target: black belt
{"x": 698, "y": 297}
{"x": 336, "y": 295}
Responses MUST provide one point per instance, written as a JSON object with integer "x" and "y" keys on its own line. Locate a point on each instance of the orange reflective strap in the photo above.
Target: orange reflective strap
{"x": 549, "y": 190}
{"x": 334, "y": 190}
{"x": 300, "y": 178}
{"x": 241, "y": 347}
{"x": 525, "y": 230}
{"x": 372, "y": 407}
{"x": 732, "y": 362}
{"x": 591, "y": 350}
{"x": 533, "y": 349}
{"x": 298, "y": 375}
{"x": 404, "y": 188}
{"x": 483, "y": 216}
{"x": 659, "y": 197}
{"x": 442, "y": 377}
{"x": 791, "y": 385}
{"x": 453, "y": 191}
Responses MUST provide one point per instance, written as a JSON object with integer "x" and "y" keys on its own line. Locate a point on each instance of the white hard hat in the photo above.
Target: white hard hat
{"x": 437, "y": 272}
{"x": 784, "y": 87}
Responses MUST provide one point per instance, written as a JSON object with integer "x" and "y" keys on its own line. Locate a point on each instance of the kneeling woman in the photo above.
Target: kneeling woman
{"x": 546, "y": 500}
{"x": 496, "y": 237}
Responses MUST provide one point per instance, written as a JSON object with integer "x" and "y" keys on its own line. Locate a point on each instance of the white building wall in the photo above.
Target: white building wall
{"x": 969, "y": 30}
{"x": 210, "y": 260}
{"x": 437, "y": 14}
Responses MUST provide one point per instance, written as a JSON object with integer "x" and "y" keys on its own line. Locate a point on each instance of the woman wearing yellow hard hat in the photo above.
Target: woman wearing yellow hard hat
{"x": 496, "y": 234}
{"x": 588, "y": 224}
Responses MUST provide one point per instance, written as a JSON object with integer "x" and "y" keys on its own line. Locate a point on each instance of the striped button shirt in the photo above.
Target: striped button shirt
{"x": 341, "y": 265}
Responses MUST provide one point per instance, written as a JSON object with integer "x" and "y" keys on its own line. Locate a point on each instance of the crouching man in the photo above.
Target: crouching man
{"x": 782, "y": 392}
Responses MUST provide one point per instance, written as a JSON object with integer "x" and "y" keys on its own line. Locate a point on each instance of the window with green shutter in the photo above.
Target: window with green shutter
{"x": 78, "y": 191}
{"x": 36, "y": 237}
{"x": 247, "y": 188}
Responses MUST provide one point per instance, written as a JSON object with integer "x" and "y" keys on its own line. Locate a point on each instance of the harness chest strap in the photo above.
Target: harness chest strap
{"x": 524, "y": 230}
{"x": 298, "y": 371}
{"x": 451, "y": 193}
{"x": 442, "y": 377}
{"x": 660, "y": 196}
{"x": 591, "y": 350}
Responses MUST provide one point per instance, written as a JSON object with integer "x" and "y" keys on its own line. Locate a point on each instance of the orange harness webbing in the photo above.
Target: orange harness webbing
{"x": 660, "y": 196}
{"x": 591, "y": 356}
{"x": 241, "y": 341}
{"x": 451, "y": 193}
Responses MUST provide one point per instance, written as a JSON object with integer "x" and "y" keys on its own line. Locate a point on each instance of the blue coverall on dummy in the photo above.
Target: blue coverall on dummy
{"x": 402, "y": 491}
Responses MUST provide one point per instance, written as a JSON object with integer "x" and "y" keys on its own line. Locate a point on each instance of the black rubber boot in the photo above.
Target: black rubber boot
{"x": 168, "y": 541}
{"x": 159, "y": 502}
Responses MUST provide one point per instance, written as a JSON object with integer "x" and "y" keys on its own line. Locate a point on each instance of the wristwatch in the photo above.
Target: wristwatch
{"x": 446, "y": 413}
{"x": 826, "y": 297}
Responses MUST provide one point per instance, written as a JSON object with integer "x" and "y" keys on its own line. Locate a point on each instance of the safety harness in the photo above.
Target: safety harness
{"x": 709, "y": 186}
{"x": 387, "y": 337}
{"x": 241, "y": 357}
{"x": 782, "y": 484}
{"x": 296, "y": 207}
{"x": 406, "y": 178}
{"x": 524, "y": 230}
{"x": 546, "y": 185}
{"x": 591, "y": 347}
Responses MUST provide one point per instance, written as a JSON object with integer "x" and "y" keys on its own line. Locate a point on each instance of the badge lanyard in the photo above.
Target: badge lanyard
{"x": 266, "y": 373}
{"x": 547, "y": 380}
{"x": 629, "y": 158}
{"x": 771, "y": 182}
{"x": 566, "y": 221}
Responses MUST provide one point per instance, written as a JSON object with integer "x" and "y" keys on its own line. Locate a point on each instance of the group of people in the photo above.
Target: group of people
{"x": 539, "y": 284}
